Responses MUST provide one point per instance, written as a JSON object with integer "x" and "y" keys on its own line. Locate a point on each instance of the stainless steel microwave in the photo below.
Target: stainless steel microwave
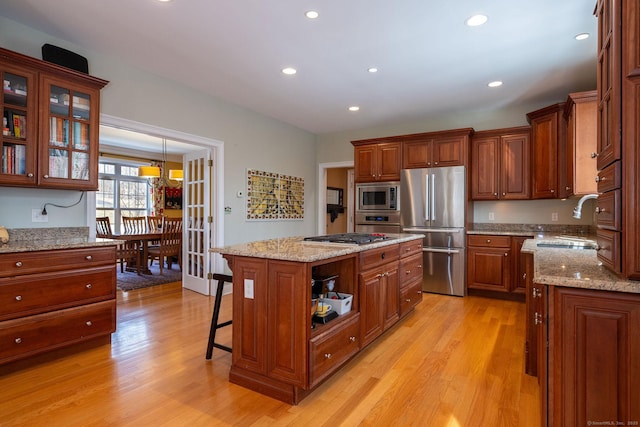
{"x": 378, "y": 196}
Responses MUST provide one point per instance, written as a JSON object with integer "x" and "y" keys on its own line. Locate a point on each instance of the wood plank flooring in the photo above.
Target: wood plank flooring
{"x": 454, "y": 362}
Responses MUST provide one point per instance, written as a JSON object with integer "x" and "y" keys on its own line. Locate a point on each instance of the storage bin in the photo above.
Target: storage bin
{"x": 340, "y": 306}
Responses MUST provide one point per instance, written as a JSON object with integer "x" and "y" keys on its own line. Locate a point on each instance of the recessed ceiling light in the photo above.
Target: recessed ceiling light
{"x": 289, "y": 71}
{"x": 495, "y": 83}
{"x": 582, "y": 36}
{"x": 372, "y": 70}
{"x": 164, "y": 1}
{"x": 354, "y": 108}
{"x": 476, "y": 20}
{"x": 312, "y": 14}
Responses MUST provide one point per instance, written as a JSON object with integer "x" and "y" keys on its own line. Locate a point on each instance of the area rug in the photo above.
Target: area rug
{"x": 130, "y": 280}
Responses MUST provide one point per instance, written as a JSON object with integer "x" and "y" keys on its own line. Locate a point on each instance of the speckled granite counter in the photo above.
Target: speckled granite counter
{"x": 575, "y": 268}
{"x": 42, "y": 239}
{"x": 537, "y": 230}
{"x": 297, "y": 249}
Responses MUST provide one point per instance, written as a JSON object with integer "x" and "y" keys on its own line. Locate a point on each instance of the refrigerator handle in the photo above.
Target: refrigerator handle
{"x": 433, "y": 197}
{"x": 427, "y": 196}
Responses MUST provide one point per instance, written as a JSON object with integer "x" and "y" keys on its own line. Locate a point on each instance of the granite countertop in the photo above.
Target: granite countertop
{"x": 44, "y": 239}
{"x": 299, "y": 250}
{"x": 575, "y": 268}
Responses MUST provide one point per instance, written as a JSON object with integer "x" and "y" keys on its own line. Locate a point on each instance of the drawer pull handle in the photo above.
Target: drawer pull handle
{"x": 408, "y": 272}
{"x": 594, "y": 155}
{"x": 407, "y": 300}
{"x": 419, "y": 265}
{"x": 88, "y": 286}
{"x": 18, "y": 340}
{"x": 88, "y": 257}
{"x": 30, "y": 175}
{"x": 327, "y": 355}
{"x": 88, "y": 323}
{"x": 488, "y": 240}
{"x": 45, "y": 176}
{"x": 18, "y": 297}
{"x": 352, "y": 339}
{"x": 599, "y": 210}
{"x": 538, "y": 319}
{"x": 419, "y": 292}
{"x": 19, "y": 264}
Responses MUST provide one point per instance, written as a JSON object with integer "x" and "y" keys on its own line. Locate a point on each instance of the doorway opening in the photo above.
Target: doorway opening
{"x": 336, "y": 176}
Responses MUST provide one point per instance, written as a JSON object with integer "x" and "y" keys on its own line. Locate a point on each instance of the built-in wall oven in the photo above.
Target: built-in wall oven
{"x": 378, "y": 222}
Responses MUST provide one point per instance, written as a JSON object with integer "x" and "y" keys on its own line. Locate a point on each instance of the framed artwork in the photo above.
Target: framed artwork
{"x": 172, "y": 198}
{"x": 272, "y": 196}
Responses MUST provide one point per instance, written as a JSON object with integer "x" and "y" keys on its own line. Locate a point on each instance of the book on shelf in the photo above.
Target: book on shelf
{"x": 58, "y": 163}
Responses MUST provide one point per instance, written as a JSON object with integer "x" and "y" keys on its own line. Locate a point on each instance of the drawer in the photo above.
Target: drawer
{"x": 410, "y": 296}
{"x": 410, "y": 248}
{"x": 329, "y": 351}
{"x": 609, "y": 178}
{"x": 36, "y": 334}
{"x": 410, "y": 269}
{"x": 19, "y": 263}
{"x": 608, "y": 210}
{"x": 491, "y": 241}
{"x": 375, "y": 257}
{"x": 609, "y": 249}
{"x": 37, "y": 293}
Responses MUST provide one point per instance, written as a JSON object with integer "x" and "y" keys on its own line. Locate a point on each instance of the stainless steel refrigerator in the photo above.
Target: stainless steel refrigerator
{"x": 433, "y": 202}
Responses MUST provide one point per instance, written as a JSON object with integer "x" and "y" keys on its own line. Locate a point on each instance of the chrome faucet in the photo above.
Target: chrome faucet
{"x": 577, "y": 211}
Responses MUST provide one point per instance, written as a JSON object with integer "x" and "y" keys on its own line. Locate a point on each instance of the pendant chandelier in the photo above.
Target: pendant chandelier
{"x": 155, "y": 172}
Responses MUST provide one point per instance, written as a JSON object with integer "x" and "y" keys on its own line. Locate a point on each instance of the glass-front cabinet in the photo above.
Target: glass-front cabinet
{"x": 70, "y": 131}
{"x": 19, "y": 136}
{"x": 50, "y": 127}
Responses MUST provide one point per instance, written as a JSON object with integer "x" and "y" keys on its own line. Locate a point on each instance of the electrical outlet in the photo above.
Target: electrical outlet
{"x": 36, "y": 216}
{"x": 491, "y": 216}
{"x": 554, "y": 216}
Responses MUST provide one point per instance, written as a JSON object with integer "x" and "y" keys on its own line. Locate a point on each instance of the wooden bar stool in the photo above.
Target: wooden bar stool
{"x": 221, "y": 278}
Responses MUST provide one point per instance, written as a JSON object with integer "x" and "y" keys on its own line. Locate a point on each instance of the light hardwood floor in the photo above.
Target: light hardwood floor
{"x": 453, "y": 362}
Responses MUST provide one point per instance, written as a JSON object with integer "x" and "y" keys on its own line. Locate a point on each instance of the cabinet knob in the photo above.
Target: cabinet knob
{"x": 488, "y": 240}
{"x": 599, "y": 210}
{"x": 88, "y": 323}
{"x": 567, "y": 188}
{"x": 19, "y": 264}
{"x": 553, "y": 191}
{"x": 18, "y": 297}
{"x": 30, "y": 175}
{"x": 504, "y": 194}
{"x": 597, "y": 179}
{"x": 419, "y": 266}
{"x": 594, "y": 155}
{"x": 18, "y": 340}
{"x": 88, "y": 257}
{"x": 407, "y": 300}
{"x": 88, "y": 286}
{"x": 408, "y": 272}
{"x": 327, "y": 355}
{"x": 435, "y": 163}
{"x": 524, "y": 276}
{"x": 495, "y": 194}
{"x": 46, "y": 176}
{"x": 352, "y": 339}
{"x": 506, "y": 254}
{"x": 537, "y": 319}
{"x": 418, "y": 292}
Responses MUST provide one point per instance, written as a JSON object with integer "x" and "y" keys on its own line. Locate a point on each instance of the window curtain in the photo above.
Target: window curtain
{"x": 157, "y": 191}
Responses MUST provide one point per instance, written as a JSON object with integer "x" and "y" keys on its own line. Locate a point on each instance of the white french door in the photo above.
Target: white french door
{"x": 196, "y": 258}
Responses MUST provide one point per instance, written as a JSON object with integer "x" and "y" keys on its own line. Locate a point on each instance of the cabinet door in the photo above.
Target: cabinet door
{"x": 289, "y": 294}
{"x": 392, "y": 297}
{"x": 371, "y": 308}
{"x": 417, "y": 154}
{"x": 19, "y": 136}
{"x": 450, "y": 151}
{"x": 515, "y": 164}
{"x": 544, "y": 131}
{"x": 365, "y": 163}
{"x": 489, "y": 269}
{"x": 595, "y": 347}
{"x": 485, "y": 166}
{"x": 389, "y": 161}
{"x": 531, "y": 336}
{"x": 519, "y": 272}
{"x": 69, "y": 135}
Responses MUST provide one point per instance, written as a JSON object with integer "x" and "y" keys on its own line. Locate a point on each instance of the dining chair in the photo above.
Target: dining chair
{"x": 155, "y": 222}
{"x": 134, "y": 224}
{"x": 170, "y": 244}
{"x": 126, "y": 251}
{"x": 103, "y": 227}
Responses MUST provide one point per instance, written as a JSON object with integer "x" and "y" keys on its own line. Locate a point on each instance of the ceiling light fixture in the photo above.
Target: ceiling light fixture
{"x": 476, "y": 20}
{"x": 149, "y": 172}
{"x": 312, "y": 14}
{"x": 372, "y": 70}
{"x": 289, "y": 71}
{"x": 582, "y": 36}
{"x": 496, "y": 83}
{"x": 354, "y": 108}
{"x": 176, "y": 174}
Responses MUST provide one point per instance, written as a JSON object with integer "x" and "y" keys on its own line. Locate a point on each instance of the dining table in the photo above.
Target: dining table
{"x": 144, "y": 238}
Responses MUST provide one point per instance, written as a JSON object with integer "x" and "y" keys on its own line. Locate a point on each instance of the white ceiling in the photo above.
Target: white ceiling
{"x": 430, "y": 63}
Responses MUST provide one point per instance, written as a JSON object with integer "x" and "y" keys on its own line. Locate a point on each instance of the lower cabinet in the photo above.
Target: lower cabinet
{"x": 52, "y": 299}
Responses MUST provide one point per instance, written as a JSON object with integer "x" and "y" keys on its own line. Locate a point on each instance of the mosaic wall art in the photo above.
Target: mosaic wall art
{"x": 271, "y": 196}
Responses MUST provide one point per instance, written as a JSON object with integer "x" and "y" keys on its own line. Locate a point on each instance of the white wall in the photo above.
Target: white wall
{"x": 250, "y": 140}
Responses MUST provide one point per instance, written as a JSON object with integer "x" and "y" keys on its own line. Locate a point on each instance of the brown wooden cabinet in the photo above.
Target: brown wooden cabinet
{"x": 489, "y": 263}
{"x": 52, "y": 115}
{"x": 519, "y": 262}
{"x": 410, "y": 273}
{"x": 377, "y": 161}
{"x": 580, "y": 153}
{"x": 548, "y": 134}
{"x": 436, "y": 149}
{"x": 592, "y": 357}
{"x": 52, "y": 299}
{"x": 500, "y": 164}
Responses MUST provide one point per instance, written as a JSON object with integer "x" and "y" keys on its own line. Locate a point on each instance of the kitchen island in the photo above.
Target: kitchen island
{"x": 277, "y": 349}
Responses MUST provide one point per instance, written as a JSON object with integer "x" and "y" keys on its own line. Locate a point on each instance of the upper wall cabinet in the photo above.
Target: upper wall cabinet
{"x": 500, "y": 164}
{"x": 436, "y": 149}
{"x": 548, "y": 132}
{"x": 50, "y": 124}
{"x": 580, "y": 165}
{"x": 377, "y": 161}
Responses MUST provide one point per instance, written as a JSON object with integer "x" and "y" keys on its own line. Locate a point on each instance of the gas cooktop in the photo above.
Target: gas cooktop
{"x": 351, "y": 238}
